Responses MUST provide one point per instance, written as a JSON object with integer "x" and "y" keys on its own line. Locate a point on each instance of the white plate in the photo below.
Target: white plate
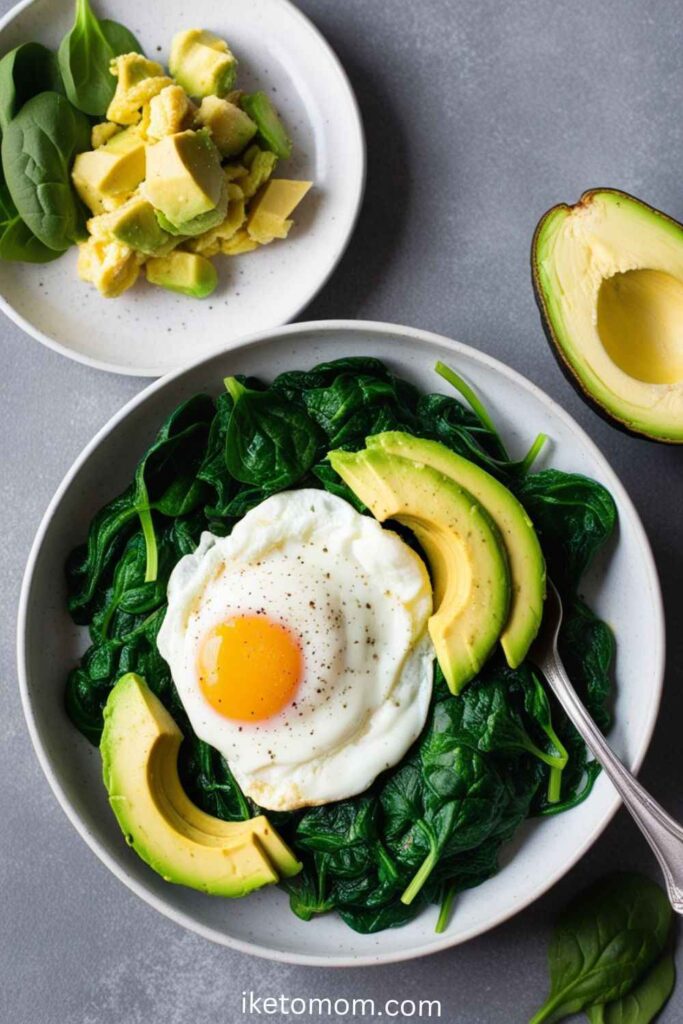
{"x": 149, "y": 331}
{"x": 622, "y": 587}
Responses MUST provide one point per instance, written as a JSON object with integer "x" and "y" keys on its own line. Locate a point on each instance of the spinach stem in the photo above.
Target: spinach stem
{"x": 446, "y": 908}
{"x": 425, "y": 869}
{"x": 555, "y": 785}
{"x": 152, "y": 553}
{"x": 547, "y": 1009}
{"x": 468, "y": 393}
{"x": 234, "y": 388}
{"x": 533, "y": 453}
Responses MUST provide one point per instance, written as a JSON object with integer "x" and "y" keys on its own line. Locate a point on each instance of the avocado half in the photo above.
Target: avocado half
{"x": 608, "y": 280}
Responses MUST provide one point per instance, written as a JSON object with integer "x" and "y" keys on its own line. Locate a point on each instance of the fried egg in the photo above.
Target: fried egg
{"x": 299, "y": 648}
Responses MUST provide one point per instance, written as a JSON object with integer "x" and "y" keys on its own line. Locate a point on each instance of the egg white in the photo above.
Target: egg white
{"x": 358, "y": 600}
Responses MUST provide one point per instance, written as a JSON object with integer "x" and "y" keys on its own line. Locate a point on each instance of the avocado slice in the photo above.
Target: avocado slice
{"x": 608, "y": 278}
{"x": 463, "y": 546}
{"x": 202, "y": 63}
{"x": 525, "y": 558}
{"x": 184, "y": 175}
{"x": 231, "y": 128}
{"x": 271, "y": 131}
{"x": 139, "y": 748}
{"x": 184, "y": 272}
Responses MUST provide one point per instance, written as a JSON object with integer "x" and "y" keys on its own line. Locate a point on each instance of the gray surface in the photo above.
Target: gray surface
{"x": 479, "y": 116}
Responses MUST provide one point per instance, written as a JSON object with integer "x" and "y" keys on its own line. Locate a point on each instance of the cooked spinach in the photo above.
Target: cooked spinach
{"x": 38, "y": 148}
{"x": 432, "y": 826}
{"x": 604, "y": 943}
{"x": 269, "y": 443}
{"x": 642, "y": 1004}
{"x": 573, "y": 515}
{"x": 25, "y": 71}
{"x": 86, "y": 52}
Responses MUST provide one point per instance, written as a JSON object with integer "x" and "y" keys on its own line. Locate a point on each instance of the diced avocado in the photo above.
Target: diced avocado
{"x": 202, "y": 63}
{"x": 139, "y": 748}
{"x": 259, "y": 165}
{"x": 464, "y": 549}
{"x": 184, "y": 176}
{"x": 139, "y": 80}
{"x": 608, "y": 278}
{"x": 527, "y": 565}
{"x": 108, "y": 264}
{"x": 170, "y": 112}
{"x": 271, "y": 131}
{"x": 269, "y": 212}
{"x": 184, "y": 272}
{"x": 201, "y": 223}
{"x": 116, "y": 167}
{"x": 231, "y": 129}
{"x": 135, "y": 224}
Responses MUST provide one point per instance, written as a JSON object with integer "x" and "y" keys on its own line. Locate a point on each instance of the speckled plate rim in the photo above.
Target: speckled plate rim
{"x": 417, "y": 337}
{"x": 359, "y": 147}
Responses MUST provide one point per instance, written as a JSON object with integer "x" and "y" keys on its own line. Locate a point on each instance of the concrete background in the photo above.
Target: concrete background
{"x": 479, "y": 116}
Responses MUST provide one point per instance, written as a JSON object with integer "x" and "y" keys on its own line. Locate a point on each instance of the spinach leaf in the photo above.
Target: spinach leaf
{"x": 355, "y": 406}
{"x": 642, "y": 1004}
{"x": 24, "y": 72}
{"x": 16, "y": 241}
{"x": 38, "y": 148}
{"x": 573, "y": 515}
{"x": 603, "y": 944}
{"x": 86, "y": 52}
{"x": 270, "y": 442}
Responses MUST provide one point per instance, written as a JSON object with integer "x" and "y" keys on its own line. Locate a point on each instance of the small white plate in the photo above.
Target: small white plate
{"x": 622, "y": 587}
{"x": 149, "y": 331}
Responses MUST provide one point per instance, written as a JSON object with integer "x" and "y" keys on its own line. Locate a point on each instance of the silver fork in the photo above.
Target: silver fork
{"x": 664, "y": 835}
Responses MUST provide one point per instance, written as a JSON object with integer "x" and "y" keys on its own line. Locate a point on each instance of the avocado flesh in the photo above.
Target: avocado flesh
{"x": 463, "y": 547}
{"x": 139, "y": 748}
{"x": 608, "y": 276}
{"x": 271, "y": 131}
{"x": 525, "y": 558}
{"x": 185, "y": 272}
{"x": 231, "y": 128}
{"x": 184, "y": 176}
{"x": 202, "y": 63}
{"x": 135, "y": 224}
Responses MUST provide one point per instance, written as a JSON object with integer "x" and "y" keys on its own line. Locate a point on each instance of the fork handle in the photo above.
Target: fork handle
{"x": 663, "y": 833}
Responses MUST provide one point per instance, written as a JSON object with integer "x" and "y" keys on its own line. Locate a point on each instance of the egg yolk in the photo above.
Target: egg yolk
{"x": 249, "y": 668}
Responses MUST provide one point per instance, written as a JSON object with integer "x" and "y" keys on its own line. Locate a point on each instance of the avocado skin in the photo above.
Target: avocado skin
{"x": 556, "y": 348}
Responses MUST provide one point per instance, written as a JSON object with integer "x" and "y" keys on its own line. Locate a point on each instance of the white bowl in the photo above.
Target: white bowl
{"x": 622, "y": 587}
{"x": 149, "y": 331}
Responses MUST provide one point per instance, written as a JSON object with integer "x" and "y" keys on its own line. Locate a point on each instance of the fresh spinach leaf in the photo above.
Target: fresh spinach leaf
{"x": 603, "y": 944}
{"x": 38, "y": 148}
{"x": 270, "y": 443}
{"x": 16, "y": 241}
{"x": 643, "y": 1003}
{"x": 25, "y": 71}
{"x": 86, "y": 52}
